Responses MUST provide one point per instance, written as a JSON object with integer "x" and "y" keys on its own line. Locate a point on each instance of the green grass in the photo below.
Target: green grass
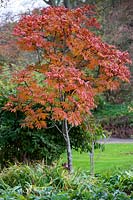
{"x": 113, "y": 157}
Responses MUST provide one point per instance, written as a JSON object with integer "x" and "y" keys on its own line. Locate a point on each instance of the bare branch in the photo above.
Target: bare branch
{"x": 52, "y": 126}
{"x": 60, "y": 131}
{"x": 3, "y": 3}
{"x": 67, "y": 3}
{"x": 50, "y": 2}
{"x": 70, "y": 129}
{"x": 58, "y": 128}
{"x": 28, "y": 87}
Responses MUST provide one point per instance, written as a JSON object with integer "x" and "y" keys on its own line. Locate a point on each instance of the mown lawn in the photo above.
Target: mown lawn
{"x": 113, "y": 157}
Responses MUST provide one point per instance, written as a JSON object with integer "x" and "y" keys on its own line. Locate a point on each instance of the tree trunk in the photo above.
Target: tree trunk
{"x": 68, "y": 145}
{"x": 92, "y": 159}
{"x": 50, "y": 2}
{"x": 67, "y": 4}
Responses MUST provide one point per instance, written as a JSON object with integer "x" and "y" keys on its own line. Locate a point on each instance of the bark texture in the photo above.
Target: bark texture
{"x": 68, "y": 145}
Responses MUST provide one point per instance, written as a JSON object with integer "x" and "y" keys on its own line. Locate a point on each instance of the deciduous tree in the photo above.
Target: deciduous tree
{"x": 74, "y": 65}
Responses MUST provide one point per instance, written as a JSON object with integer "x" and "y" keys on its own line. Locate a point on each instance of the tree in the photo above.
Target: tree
{"x": 74, "y": 66}
{"x": 66, "y": 3}
{"x": 11, "y": 54}
{"x": 23, "y": 144}
{"x": 7, "y": 42}
{"x": 71, "y": 3}
{"x": 26, "y": 145}
{"x": 3, "y": 3}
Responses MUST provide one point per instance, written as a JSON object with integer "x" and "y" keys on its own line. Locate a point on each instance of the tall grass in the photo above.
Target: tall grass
{"x": 40, "y": 182}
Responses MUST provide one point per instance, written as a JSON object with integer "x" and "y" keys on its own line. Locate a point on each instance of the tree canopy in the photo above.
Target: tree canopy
{"x": 74, "y": 66}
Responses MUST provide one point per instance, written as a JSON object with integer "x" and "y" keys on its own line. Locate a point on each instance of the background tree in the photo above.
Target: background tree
{"x": 9, "y": 53}
{"x": 116, "y": 20}
{"x": 74, "y": 65}
{"x": 3, "y": 3}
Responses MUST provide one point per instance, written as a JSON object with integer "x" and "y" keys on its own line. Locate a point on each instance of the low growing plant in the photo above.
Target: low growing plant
{"x": 23, "y": 182}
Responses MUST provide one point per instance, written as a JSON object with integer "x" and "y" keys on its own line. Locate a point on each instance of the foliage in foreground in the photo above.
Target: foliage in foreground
{"x": 23, "y": 182}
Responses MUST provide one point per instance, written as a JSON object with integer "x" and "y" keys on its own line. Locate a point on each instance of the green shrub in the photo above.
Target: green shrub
{"x": 117, "y": 118}
{"x": 53, "y": 183}
{"x": 40, "y": 182}
{"x": 24, "y": 145}
{"x": 27, "y": 145}
{"x": 122, "y": 181}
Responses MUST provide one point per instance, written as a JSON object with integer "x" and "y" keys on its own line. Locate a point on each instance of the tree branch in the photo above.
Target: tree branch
{"x": 52, "y": 126}
{"x": 67, "y": 3}
{"x": 50, "y": 2}
{"x": 70, "y": 129}
{"x": 60, "y": 131}
{"x": 57, "y": 128}
{"x": 28, "y": 87}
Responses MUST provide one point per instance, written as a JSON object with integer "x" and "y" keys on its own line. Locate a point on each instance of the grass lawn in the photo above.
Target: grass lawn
{"x": 113, "y": 157}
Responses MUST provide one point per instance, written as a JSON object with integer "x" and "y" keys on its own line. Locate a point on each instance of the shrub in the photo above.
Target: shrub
{"x": 53, "y": 183}
{"x": 24, "y": 145}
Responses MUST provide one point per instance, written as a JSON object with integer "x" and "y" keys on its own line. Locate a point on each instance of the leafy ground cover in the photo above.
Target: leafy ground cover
{"x": 112, "y": 157}
{"x": 40, "y": 182}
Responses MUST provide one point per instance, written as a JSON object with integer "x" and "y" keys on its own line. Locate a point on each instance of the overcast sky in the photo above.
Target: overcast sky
{"x": 20, "y": 6}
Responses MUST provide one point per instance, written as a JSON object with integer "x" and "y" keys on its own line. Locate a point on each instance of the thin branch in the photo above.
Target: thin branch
{"x": 61, "y": 132}
{"x": 70, "y": 129}
{"x": 52, "y": 126}
{"x": 28, "y": 87}
{"x": 38, "y": 56}
{"x": 67, "y": 3}
{"x": 57, "y": 128}
{"x": 50, "y": 2}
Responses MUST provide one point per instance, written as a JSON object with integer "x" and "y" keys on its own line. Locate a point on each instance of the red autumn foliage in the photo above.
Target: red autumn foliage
{"x": 74, "y": 66}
